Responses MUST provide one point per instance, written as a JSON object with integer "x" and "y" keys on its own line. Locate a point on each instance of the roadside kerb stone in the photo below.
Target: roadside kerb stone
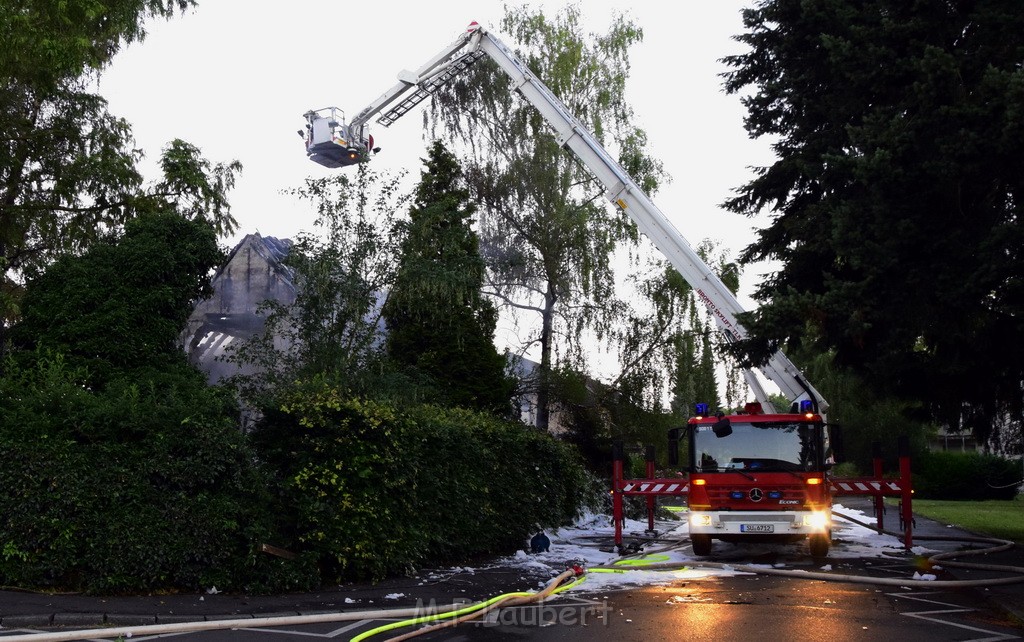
{"x": 78, "y": 619}
{"x": 121, "y": 619}
{"x": 232, "y": 616}
{"x": 23, "y": 621}
{"x": 174, "y": 618}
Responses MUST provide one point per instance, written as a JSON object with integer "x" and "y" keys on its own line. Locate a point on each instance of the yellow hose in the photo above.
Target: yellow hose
{"x": 474, "y": 610}
{"x": 432, "y": 618}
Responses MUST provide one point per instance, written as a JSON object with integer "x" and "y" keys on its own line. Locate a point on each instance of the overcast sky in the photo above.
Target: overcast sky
{"x": 235, "y": 77}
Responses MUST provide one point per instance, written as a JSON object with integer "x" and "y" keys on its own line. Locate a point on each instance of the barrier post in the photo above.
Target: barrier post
{"x": 617, "y": 477}
{"x": 651, "y": 499}
{"x": 907, "y": 492}
{"x": 876, "y": 461}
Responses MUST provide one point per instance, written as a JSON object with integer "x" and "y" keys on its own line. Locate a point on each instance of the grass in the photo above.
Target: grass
{"x": 1004, "y": 519}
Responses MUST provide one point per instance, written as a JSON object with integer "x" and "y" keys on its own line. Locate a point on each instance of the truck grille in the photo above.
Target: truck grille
{"x": 774, "y": 496}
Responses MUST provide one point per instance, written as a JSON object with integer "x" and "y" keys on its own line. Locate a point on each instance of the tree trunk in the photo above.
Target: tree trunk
{"x": 544, "y": 378}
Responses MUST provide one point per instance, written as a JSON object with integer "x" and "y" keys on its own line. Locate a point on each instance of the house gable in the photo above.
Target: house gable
{"x": 253, "y": 274}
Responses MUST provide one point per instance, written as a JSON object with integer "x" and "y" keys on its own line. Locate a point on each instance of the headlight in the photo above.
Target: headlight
{"x": 817, "y": 520}
{"x": 700, "y": 520}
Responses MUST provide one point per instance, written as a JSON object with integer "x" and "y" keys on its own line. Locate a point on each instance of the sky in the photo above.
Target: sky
{"x": 234, "y": 79}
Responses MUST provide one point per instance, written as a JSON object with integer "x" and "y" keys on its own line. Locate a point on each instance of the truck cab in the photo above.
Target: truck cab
{"x": 759, "y": 477}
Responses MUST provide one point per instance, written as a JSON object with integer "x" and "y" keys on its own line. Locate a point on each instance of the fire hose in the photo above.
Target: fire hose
{"x": 651, "y": 561}
{"x": 944, "y": 558}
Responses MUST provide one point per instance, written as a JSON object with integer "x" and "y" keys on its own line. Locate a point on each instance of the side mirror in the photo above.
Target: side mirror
{"x": 722, "y": 428}
{"x": 836, "y": 441}
{"x": 673, "y": 446}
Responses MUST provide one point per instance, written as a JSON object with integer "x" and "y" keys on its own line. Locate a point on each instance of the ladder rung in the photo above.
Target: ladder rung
{"x": 457, "y": 66}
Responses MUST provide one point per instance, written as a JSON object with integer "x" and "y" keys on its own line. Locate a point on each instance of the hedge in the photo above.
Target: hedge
{"x": 149, "y": 485}
{"x": 145, "y": 485}
{"x": 973, "y": 476}
{"x": 374, "y": 489}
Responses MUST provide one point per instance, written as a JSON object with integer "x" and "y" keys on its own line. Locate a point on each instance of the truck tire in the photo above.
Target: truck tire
{"x": 819, "y": 545}
{"x": 701, "y": 544}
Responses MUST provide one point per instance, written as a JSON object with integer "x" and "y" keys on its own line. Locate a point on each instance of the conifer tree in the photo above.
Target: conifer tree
{"x": 438, "y": 322}
{"x": 896, "y": 197}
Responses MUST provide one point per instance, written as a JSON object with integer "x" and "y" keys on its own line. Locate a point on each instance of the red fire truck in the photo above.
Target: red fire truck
{"x": 759, "y": 476}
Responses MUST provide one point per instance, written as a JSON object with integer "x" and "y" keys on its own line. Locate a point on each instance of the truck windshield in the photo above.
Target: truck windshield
{"x": 767, "y": 447}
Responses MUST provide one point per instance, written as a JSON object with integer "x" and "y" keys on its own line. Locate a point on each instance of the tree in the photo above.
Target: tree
{"x": 68, "y": 172}
{"x": 698, "y": 350}
{"x": 729, "y": 271}
{"x": 121, "y": 306}
{"x": 343, "y": 272}
{"x": 666, "y": 344}
{"x": 547, "y": 235}
{"x": 49, "y": 43}
{"x": 863, "y": 416}
{"x": 898, "y": 193}
{"x": 114, "y": 444}
{"x": 438, "y": 322}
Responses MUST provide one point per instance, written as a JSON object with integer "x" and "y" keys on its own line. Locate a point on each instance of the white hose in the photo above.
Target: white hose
{"x": 191, "y": 627}
{"x": 188, "y": 627}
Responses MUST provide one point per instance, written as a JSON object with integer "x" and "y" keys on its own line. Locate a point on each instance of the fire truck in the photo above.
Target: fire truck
{"x": 753, "y": 475}
{"x": 759, "y": 476}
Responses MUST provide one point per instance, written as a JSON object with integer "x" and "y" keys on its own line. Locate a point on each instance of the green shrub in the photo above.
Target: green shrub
{"x": 148, "y": 485}
{"x": 144, "y": 485}
{"x": 845, "y": 469}
{"x": 973, "y": 476}
{"x": 374, "y": 490}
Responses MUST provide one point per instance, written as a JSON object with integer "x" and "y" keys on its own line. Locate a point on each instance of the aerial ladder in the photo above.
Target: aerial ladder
{"x": 780, "y": 485}
{"x": 332, "y": 142}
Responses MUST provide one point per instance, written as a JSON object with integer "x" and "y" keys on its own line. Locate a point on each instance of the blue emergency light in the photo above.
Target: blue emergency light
{"x": 807, "y": 406}
{"x": 701, "y": 409}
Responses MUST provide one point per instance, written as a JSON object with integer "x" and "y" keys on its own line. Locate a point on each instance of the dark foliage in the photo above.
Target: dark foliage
{"x": 438, "y": 321}
{"x": 122, "y": 470}
{"x": 596, "y": 416}
{"x": 122, "y": 305}
{"x": 145, "y": 485}
{"x": 973, "y": 476}
{"x": 897, "y": 194}
{"x": 68, "y": 167}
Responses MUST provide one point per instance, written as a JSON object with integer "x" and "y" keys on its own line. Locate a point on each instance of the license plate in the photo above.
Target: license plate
{"x": 757, "y": 528}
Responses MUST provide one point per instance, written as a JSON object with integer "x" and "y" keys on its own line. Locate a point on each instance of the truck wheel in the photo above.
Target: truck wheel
{"x": 819, "y": 545}
{"x": 701, "y": 544}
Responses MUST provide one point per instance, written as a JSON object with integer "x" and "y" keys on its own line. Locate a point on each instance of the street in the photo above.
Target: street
{"x": 686, "y": 605}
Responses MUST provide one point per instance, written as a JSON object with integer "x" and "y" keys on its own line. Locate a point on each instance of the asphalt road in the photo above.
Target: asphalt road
{"x": 689, "y": 606}
{"x": 740, "y": 607}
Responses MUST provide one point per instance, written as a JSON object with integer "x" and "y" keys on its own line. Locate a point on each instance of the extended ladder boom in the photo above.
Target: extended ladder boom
{"x": 620, "y": 188}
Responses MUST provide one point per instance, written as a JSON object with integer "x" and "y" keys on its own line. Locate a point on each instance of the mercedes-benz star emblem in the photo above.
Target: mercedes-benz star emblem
{"x": 756, "y": 494}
